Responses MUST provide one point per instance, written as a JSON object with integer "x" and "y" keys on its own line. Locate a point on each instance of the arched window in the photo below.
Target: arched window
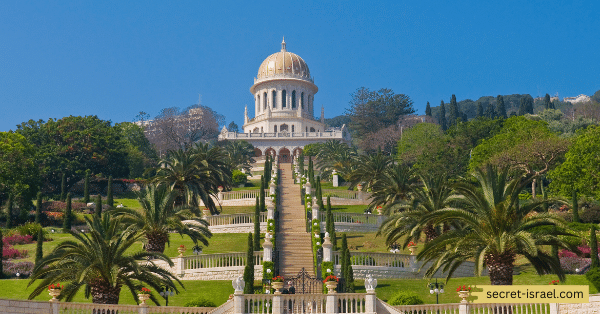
{"x": 265, "y": 100}
{"x": 283, "y": 104}
{"x": 255, "y": 130}
{"x": 261, "y": 129}
{"x": 293, "y": 99}
{"x": 292, "y": 129}
{"x": 302, "y": 100}
{"x": 275, "y": 128}
{"x": 258, "y": 100}
{"x": 283, "y": 128}
{"x": 306, "y": 129}
{"x": 312, "y": 129}
{"x": 274, "y": 97}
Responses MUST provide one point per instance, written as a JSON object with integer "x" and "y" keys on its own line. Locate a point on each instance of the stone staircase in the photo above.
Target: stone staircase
{"x": 294, "y": 243}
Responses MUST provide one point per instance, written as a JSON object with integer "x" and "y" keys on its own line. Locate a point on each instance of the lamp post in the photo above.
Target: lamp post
{"x": 436, "y": 288}
{"x": 197, "y": 249}
{"x": 168, "y": 292}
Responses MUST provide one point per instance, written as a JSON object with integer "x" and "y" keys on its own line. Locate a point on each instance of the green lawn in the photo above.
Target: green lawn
{"x": 250, "y": 185}
{"x": 360, "y": 209}
{"x": 329, "y": 186}
{"x": 219, "y": 290}
{"x": 229, "y": 210}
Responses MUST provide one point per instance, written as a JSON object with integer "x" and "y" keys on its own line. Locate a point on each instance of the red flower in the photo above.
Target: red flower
{"x": 331, "y": 278}
{"x": 411, "y": 243}
{"x": 145, "y": 290}
{"x": 463, "y": 288}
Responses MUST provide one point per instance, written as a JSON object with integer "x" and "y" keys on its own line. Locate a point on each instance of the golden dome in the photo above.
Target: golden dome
{"x": 283, "y": 63}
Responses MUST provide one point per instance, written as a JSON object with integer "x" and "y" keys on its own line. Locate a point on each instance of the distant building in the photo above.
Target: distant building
{"x": 578, "y": 99}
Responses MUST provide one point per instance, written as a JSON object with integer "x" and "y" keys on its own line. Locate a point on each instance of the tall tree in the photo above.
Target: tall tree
{"x": 490, "y": 112}
{"x": 442, "y": 116}
{"x": 344, "y": 261}
{"x": 261, "y": 194}
{"x": 109, "y": 193}
{"x": 38, "y": 208}
{"x": 63, "y": 187}
{"x": 522, "y": 107}
{"x": 68, "y": 220}
{"x": 39, "y": 249}
{"x": 479, "y": 109}
{"x": 547, "y": 102}
{"x": 575, "y": 206}
{"x": 98, "y": 211}
{"x": 257, "y": 226}
{"x": 249, "y": 269}
{"x": 594, "y": 247}
{"x": 500, "y": 107}
{"x": 9, "y": 207}
{"x": 453, "y": 112}
{"x": 101, "y": 262}
{"x": 428, "y": 110}
{"x": 86, "y": 187}
{"x": 19, "y": 172}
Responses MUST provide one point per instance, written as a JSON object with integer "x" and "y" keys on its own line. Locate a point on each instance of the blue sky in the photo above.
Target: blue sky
{"x": 117, "y": 58}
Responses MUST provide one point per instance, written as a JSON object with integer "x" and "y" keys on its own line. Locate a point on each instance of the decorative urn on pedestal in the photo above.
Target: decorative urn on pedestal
{"x": 181, "y": 249}
{"x": 277, "y": 284}
{"x": 412, "y": 247}
{"x": 144, "y": 296}
{"x": 331, "y": 283}
{"x": 463, "y": 293}
{"x": 54, "y": 291}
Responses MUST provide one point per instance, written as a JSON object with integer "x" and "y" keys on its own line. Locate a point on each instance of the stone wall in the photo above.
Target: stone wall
{"x": 237, "y": 228}
{"x": 220, "y": 273}
{"x": 21, "y": 306}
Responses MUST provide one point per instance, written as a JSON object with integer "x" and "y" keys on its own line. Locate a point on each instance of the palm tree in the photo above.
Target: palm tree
{"x": 159, "y": 216}
{"x": 196, "y": 174}
{"x": 369, "y": 168}
{"x": 407, "y": 219}
{"x": 239, "y": 154}
{"x": 496, "y": 229}
{"x": 335, "y": 155}
{"x": 393, "y": 186}
{"x": 101, "y": 262}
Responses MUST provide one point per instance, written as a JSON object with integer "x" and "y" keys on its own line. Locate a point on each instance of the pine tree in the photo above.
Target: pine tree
{"x": 98, "y": 210}
{"x": 594, "y": 248}
{"x": 261, "y": 194}
{"x": 479, "y": 109}
{"x": 257, "y": 226}
{"x": 575, "y": 206}
{"x": 9, "y": 207}
{"x": 86, "y": 187}
{"x": 500, "y": 107}
{"x": 109, "y": 193}
{"x": 68, "y": 220}
{"x": 249, "y": 269}
{"x": 39, "y": 250}
{"x": 551, "y": 105}
{"x": 63, "y": 187}
{"x": 38, "y": 208}
{"x": 547, "y": 101}
{"x": 523, "y": 107}
{"x": 442, "y": 116}
{"x": 428, "y": 110}
{"x": 529, "y": 104}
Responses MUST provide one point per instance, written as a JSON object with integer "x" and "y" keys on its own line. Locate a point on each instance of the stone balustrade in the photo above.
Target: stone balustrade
{"x": 376, "y": 259}
{"x": 193, "y": 262}
{"x": 242, "y": 194}
{"x": 341, "y": 135}
{"x": 233, "y": 219}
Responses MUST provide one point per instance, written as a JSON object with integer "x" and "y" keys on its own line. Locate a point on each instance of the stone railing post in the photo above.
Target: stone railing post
{"x": 315, "y": 212}
{"x": 143, "y": 309}
{"x": 360, "y": 192}
{"x": 270, "y": 210}
{"x": 268, "y": 248}
{"x": 238, "y": 295}
{"x": 181, "y": 266}
{"x": 371, "y": 297}
{"x": 463, "y": 308}
{"x": 335, "y": 178}
{"x": 272, "y": 188}
{"x": 220, "y": 194}
{"x": 327, "y": 246}
{"x": 330, "y": 303}
{"x": 277, "y": 308}
{"x": 307, "y": 186}
{"x": 554, "y": 308}
{"x": 55, "y": 308}
{"x": 413, "y": 263}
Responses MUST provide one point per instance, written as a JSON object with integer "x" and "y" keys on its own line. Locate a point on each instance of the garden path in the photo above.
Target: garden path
{"x": 294, "y": 243}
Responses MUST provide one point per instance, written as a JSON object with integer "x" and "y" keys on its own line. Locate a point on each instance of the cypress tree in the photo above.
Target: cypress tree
{"x": 67, "y": 222}
{"x": 331, "y": 224}
{"x": 343, "y": 261}
{"x": 249, "y": 269}
{"x": 500, "y": 107}
{"x": 301, "y": 164}
{"x": 428, "y": 110}
{"x": 523, "y": 107}
{"x": 453, "y": 114}
{"x": 479, "y": 109}
{"x": 490, "y": 112}
{"x": 1, "y": 255}
{"x": 594, "y": 248}
{"x": 98, "y": 210}
{"x": 554, "y": 248}
{"x": 9, "y": 207}
{"x": 257, "y": 226}
{"x": 575, "y": 206}
{"x": 349, "y": 275}
{"x": 319, "y": 194}
{"x": 39, "y": 250}
{"x": 547, "y": 101}
{"x": 63, "y": 187}
{"x": 109, "y": 193}
{"x": 38, "y": 208}
{"x": 442, "y": 116}
{"x": 261, "y": 193}
{"x": 86, "y": 187}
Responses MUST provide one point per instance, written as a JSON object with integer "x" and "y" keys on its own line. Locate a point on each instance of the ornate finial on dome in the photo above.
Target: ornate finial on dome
{"x": 283, "y": 45}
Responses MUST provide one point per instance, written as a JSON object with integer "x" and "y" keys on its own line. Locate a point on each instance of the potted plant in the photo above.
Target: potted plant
{"x": 277, "y": 284}
{"x": 412, "y": 247}
{"x": 463, "y": 293}
{"x": 331, "y": 283}
{"x": 144, "y": 295}
{"x": 54, "y": 291}
{"x": 181, "y": 250}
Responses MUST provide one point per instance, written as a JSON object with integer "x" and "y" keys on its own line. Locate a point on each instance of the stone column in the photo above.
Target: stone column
{"x": 277, "y": 305}
{"x": 220, "y": 194}
{"x": 307, "y": 186}
{"x": 331, "y": 304}
{"x": 335, "y": 178}
{"x": 268, "y": 249}
{"x": 370, "y": 302}
{"x": 181, "y": 266}
{"x": 238, "y": 295}
{"x": 360, "y": 193}
{"x": 463, "y": 308}
{"x": 272, "y": 188}
{"x": 315, "y": 211}
{"x": 270, "y": 211}
{"x": 327, "y": 248}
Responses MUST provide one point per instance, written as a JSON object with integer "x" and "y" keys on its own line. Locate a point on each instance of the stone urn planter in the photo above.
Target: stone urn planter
{"x": 412, "y": 250}
{"x": 54, "y": 293}
{"x": 331, "y": 286}
{"x": 463, "y": 295}
{"x": 181, "y": 250}
{"x": 277, "y": 286}
{"x": 143, "y": 297}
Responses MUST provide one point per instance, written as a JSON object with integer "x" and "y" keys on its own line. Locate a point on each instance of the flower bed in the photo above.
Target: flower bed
{"x": 17, "y": 239}
{"x": 11, "y": 269}
{"x": 9, "y": 252}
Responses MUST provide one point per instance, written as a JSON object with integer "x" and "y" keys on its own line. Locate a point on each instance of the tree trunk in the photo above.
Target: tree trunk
{"x": 156, "y": 241}
{"x": 500, "y": 267}
{"x": 430, "y": 232}
{"x": 103, "y": 293}
{"x": 533, "y": 186}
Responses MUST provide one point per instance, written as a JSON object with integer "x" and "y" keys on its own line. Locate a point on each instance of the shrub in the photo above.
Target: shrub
{"x": 571, "y": 264}
{"x": 200, "y": 302}
{"x": 17, "y": 239}
{"x": 10, "y": 252}
{"x": 578, "y": 226}
{"x": 239, "y": 177}
{"x": 23, "y": 268}
{"x": 30, "y": 228}
{"x": 593, "y": 276}
{"x": 406, "y": 298}
{"x": 268, "y": 266}
{"x": 591, "y": 215}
